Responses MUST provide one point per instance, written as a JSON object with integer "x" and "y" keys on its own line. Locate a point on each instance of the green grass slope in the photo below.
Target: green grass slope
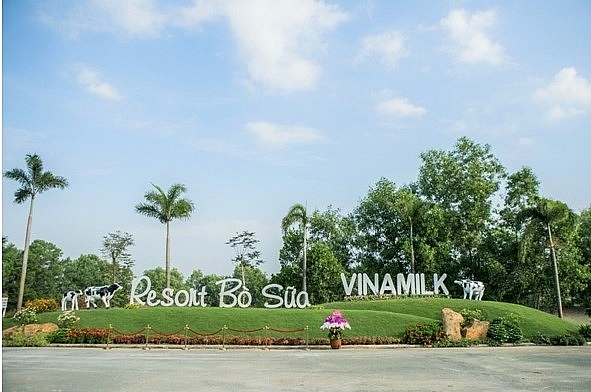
{"x": 383, "y": 318}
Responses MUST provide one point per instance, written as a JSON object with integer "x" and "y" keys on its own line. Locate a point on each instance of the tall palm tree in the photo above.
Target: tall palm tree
{"x": 408, "y": 206}
{"x": 550, "y": 213}
{"x": 166, "y": 206}
{"x": 297, "y": 215}
{"x": 33, "y": 181}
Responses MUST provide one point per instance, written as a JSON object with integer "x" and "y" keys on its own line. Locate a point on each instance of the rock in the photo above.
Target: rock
{"x": 452, "y": 323}
{"x": 476, "y": 330}
{"x": 30, "y": 329}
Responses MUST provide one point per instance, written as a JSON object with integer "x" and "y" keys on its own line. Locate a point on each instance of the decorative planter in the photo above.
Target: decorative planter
{"x": 335, "y": 344}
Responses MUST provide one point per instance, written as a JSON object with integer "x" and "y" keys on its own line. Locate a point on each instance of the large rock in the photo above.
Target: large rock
{"x": 476, "y": 330}
{"x": 452, "y": 323}
{"x": 30, "y": 329}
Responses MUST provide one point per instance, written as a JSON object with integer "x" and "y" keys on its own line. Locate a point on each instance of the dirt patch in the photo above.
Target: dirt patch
{"x": 576, "y": 315}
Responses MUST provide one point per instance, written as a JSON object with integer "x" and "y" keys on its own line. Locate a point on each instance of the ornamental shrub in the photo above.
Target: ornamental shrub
{"x": 567, "y": 340}
{"x": 42, "y": 305}
{"x": 67, "y": 319}
{"x": 20, "y": 340}
{"x": 505, "y": 329}
{"x": 26, "y": 316}
{"x": 425, "y": 334}
{"x": 470, "y": 315}
{"x": 585, "y": 331}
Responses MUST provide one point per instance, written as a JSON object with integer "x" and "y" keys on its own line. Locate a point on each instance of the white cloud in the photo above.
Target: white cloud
{"x": 278, "y": 136}
{"x": 90, "y": 80}
{"x": 278, "y": 40}
{"x": 567, "y": 95}
{"x": 471, "y": 43}
{"x": 137, "y": 17}
{"x": 400, "y": 107}
{"x": 387, "y": 47}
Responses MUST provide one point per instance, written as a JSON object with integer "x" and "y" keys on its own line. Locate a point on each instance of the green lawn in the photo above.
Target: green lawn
{"x": 383, "y": 318}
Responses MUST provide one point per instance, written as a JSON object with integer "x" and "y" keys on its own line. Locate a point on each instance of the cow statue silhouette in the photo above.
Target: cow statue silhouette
{"x": 472, "y": 288}
{"x": 104, "y": 293}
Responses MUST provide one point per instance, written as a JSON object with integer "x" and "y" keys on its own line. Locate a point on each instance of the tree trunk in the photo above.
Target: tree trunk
{"x": 412, "y": 250}
{"x": 167, "y": 254}
{"x": 304, "y": 266}
{"x": 555, "y": 267}
{"x": 21, "y": 289}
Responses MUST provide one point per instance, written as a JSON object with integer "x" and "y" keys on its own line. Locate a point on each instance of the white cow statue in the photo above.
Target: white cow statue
{"x": 471, "y": 288}
{"x": 104, "y": 293}
{"x": 71, "y": 296}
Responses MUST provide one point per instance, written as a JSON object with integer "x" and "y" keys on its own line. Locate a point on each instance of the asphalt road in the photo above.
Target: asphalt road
{"x": 522, "y": 368}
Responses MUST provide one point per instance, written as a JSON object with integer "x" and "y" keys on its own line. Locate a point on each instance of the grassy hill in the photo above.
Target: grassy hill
{"x": 383, "y": 318}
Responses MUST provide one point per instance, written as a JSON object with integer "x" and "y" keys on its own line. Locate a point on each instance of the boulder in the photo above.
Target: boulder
{"x": 476, "y": 330}
{"x": 452, "y": 323}
{"x": 30, "y": 329}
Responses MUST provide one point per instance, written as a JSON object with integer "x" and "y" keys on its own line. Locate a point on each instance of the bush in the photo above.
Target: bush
{"x": 470, "y": 315}
{"x": 59, "y": 336}
{"x": 585, "y": 331}
{"x": 425, "y": 334}
{"x": 26, "y": 316}
{"x": 20, "y": 340}
{"x": 67, "y": 319}
{"x": 567, "y": 340}
{"x": 42, "y": 305}
{"x": 505, "y": 330}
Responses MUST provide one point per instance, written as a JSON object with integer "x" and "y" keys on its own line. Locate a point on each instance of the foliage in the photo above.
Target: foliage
{"x": 20, "y": 340}
{"x": 115, "y": 249}
{"x": 424, "y": 334}
{"x": 470, "y": 315}
{"x": 42, "y": 305}
{"x": 244, "y": 244}
{"x": 505, "y": 329}
{"x": 26, "y": 316}
{"x": 58, "y": 336}
{"x": 33, "y": 181}
{"x": 585, "y": 331}
{"x": 335, "y": 324}
{"x": 67, "y": 319}
{"x": 87, "y": 335}
{"x": 166, "y": 206}
{"x": 298, "y": 216}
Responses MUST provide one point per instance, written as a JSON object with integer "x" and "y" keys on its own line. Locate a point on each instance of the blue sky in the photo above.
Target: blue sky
{"x": 257, "y": 105}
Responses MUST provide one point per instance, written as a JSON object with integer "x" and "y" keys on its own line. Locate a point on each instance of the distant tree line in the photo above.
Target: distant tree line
{"x": 465, "y": 215}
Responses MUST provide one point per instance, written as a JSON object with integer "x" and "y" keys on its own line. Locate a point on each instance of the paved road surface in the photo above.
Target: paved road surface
{"x": 523, "y": 368}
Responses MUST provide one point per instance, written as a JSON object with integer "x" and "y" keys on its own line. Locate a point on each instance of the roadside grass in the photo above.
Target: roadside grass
{"x": 376, "y": 318}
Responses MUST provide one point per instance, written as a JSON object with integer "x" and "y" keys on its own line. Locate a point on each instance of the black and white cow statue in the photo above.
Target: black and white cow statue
{"x": 471, "y": 288}
{"x": 104, "y": 293}
{"x": 71, "y": 296}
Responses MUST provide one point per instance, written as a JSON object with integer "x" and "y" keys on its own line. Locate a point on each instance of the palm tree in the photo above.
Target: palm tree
{"x": 408, "y": 206}
{"x": 166, "y": 206}
{"x": 33, "y": 181}
{"x": 297, "y": 215}
{"x": 550, "y": 213}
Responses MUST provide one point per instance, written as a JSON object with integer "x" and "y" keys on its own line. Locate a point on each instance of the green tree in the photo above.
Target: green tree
{"x": 166, "y": 206}
{"x": 297, "y": 215}
{"x": 337, "y": 231}
{"x": 12, "y": 258}
{"x": 380, "y": 230}
{"x": 197, "y": 280}
{"x": 244, "y": 244}
{"x": 257, "y": 280}
{"x": 33, "y": 181}
{"x": 408, "y": 206}
{"x": 550, "y": 213}
{"x": 325, "y": 275}
{"x": 115, "y": 249}
{"x": 159, "y": 279}
{"x": 462, "y": 182}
